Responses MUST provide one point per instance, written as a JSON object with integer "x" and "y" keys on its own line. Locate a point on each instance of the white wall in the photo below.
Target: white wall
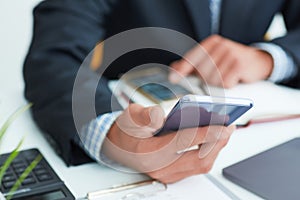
{"x": 15, "y": 36}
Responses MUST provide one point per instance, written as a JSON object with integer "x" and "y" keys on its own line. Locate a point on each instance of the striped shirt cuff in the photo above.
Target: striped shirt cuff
{"x": 284, "y": 66}
{"x": 93, "y": 134}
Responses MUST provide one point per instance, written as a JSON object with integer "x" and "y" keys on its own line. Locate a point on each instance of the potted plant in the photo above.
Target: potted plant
{"x": 14, "y": 154}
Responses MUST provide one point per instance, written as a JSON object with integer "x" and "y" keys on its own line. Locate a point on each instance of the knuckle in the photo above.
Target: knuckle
{"x": 169, "y": 180}
{"x": 226, "y": 141}
{"x": 216, "y": 38}
{"x": 206, "y": 167}
{"x": 234, "y": 68}
{"x": 236, "y": 64}
{"x": 231, "y": 55}
{"x": 155, "y": 175}
{"x": 226, "y": 82}
{"x": 223, "y": 143}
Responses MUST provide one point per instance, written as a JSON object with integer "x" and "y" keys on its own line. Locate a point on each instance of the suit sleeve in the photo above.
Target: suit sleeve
{"x": 291, "y": 41}
{"x": 65, "y": 31}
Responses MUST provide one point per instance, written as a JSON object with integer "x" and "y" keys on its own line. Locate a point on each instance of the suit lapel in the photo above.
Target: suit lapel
{"x": 199, "y": 12}
{"x": 231, "y": 26}
{"x": 234, "y": 14}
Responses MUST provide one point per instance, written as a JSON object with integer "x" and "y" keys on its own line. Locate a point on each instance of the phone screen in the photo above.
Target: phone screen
{"x": 188, "y": 114}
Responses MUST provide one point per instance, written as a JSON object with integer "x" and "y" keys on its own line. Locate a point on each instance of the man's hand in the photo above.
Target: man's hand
{"x": 130, "y": 141}
{"x": 225, "y": 63}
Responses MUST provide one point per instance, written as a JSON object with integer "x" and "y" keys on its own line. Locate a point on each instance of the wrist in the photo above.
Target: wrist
{"x": 113, "y": 134}
{"x": 267, "y": 63}
{"x": 121, "y": 139}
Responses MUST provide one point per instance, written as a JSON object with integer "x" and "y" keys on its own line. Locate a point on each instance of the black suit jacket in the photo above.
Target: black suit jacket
{"x": 65, "y": 31}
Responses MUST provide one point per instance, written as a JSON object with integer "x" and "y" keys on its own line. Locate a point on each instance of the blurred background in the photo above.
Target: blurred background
{"x": 15, "y": 36}
{"x": 16, "y": 32}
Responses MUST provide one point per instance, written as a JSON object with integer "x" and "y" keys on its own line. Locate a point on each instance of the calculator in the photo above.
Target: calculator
{"x": 41, "y": 184}
{"x": 153, "y": 83}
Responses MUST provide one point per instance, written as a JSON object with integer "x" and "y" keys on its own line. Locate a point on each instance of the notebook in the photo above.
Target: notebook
{"x": 272, "y": 174}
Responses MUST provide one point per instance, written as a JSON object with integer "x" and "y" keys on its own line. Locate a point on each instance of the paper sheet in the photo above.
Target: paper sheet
{"x": 193, "y": 188}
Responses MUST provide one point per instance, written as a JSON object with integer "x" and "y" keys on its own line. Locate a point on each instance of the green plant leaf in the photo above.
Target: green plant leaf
{"x": 10, "y": 158}
{"x": 32, "y": 165}
{"x": 15, "y": 152}
{"x": 12, "y": 118}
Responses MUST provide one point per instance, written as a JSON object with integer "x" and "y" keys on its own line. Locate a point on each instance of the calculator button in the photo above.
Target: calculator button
{"x": 40, "y": 171}
{"x": 8, "y": 170}
{"x": 20, "y": 170}
{"x": 8, "y": 177}
{"x": 30, "y": 159}
{"x": 30, "y": 156}
{"x": 17, "y": 160}
{"x": 44, "y": 177}
{"x": 30, "y": 153}
{"x": 28, "y": 180}
{"x": 39, "y": 166}
{"x": 18, "y": 165}
{"x": 8, "y": 184}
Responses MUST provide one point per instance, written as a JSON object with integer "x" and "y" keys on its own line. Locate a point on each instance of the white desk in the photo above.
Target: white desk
{"x": 90, "y": 177}
{"x": 14, "y": 44}
{"x": 15, "y": 40}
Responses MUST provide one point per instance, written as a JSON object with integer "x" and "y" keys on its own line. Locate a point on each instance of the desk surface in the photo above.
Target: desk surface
{"x": 90, "y": 177}
{"x": 16, "y": 38}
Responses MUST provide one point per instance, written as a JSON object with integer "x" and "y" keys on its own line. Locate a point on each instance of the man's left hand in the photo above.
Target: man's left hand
{"x": 225, "y": 63}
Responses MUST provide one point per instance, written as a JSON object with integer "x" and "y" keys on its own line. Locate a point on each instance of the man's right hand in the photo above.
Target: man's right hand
{"x": 130, "y": 142}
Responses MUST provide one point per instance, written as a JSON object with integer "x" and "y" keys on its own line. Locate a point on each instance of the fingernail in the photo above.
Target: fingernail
{"x": 157, "y": 116}
{"x": 174, "y": 77}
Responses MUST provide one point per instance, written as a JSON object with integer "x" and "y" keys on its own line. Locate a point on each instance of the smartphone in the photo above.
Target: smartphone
{"x": 197, "y": 111}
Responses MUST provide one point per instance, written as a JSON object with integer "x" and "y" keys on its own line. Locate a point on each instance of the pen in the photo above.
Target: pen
{"x": 97, "y": 194}
{"x": 268, "y": 119}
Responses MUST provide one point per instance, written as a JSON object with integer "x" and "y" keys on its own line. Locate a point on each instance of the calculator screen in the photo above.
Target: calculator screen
{"x": 54, "y": 195}
{"x": 163, "y": 93}
{"x": 154, "y": 83}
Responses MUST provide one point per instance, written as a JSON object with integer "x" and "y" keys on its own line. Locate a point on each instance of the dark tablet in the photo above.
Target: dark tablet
{"x": 273, "y": 174}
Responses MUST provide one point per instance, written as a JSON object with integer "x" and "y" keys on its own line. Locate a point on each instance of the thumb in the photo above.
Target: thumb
{"x": 151, "y": 117}
{"x": 157, "y": 115}
{"x": 142, "y": 122}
